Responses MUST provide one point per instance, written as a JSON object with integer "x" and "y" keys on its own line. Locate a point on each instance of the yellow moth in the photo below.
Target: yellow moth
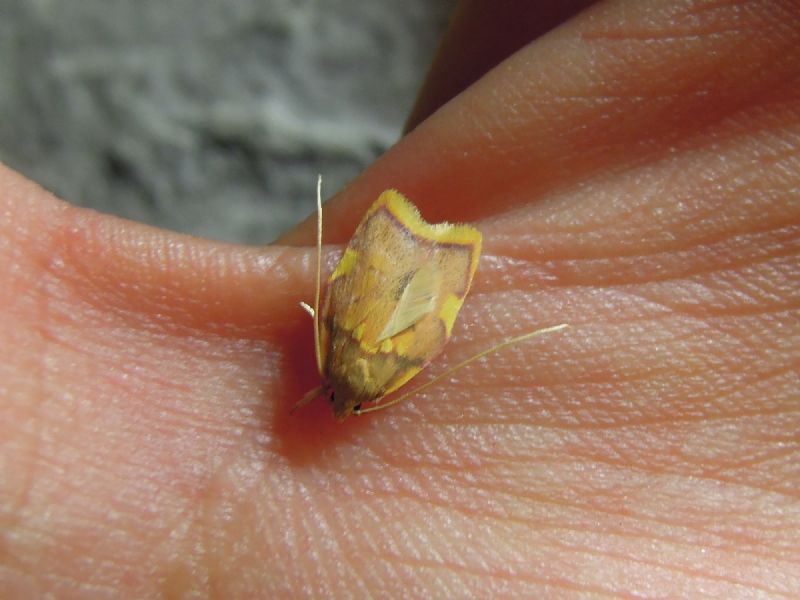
{"x": 391, "y": 304}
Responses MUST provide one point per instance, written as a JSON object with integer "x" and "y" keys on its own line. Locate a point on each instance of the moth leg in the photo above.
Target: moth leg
{"x": 308, "y": 309}
{"x": 308, "y": 397}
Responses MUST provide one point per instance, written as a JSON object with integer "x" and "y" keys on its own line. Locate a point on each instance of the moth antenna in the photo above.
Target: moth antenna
{"x": 317, "y": 350}
{"x": 307, "y": 397}
{"x": 462, "y": 364}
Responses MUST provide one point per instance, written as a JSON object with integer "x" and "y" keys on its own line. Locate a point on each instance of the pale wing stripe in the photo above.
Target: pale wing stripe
{"x": 418, "y": 299}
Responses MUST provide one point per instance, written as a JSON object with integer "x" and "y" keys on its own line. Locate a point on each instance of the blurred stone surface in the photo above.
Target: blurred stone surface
{"x": 207, "y": 117}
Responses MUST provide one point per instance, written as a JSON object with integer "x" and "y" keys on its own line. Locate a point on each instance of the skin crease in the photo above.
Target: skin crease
{"x": 634, "y": 172}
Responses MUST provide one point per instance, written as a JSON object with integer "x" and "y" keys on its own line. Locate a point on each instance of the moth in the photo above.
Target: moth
{"x": 391, "y": 305}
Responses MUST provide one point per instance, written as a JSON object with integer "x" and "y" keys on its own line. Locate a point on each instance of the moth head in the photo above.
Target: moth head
{"x": 343, "y": 401}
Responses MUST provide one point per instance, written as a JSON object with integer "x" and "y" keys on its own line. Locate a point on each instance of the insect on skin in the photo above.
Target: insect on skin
{"x": 391, "y": 304}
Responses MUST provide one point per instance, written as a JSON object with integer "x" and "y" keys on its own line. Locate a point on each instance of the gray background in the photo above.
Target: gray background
{"x": 209, "y": 117}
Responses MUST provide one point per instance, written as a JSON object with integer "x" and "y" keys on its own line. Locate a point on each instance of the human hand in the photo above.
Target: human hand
{"x": 634, "y": 173}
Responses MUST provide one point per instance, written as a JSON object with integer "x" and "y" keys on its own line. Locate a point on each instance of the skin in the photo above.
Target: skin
{"x": 635, "y": 173}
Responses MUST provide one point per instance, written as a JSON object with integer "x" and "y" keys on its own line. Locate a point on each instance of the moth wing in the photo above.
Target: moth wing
{"x": 418, "y": 299}
{"x": 378, "y": 331}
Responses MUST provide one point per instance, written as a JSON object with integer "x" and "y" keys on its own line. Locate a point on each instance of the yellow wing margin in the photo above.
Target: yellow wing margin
{"x": 441, "y": 233}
